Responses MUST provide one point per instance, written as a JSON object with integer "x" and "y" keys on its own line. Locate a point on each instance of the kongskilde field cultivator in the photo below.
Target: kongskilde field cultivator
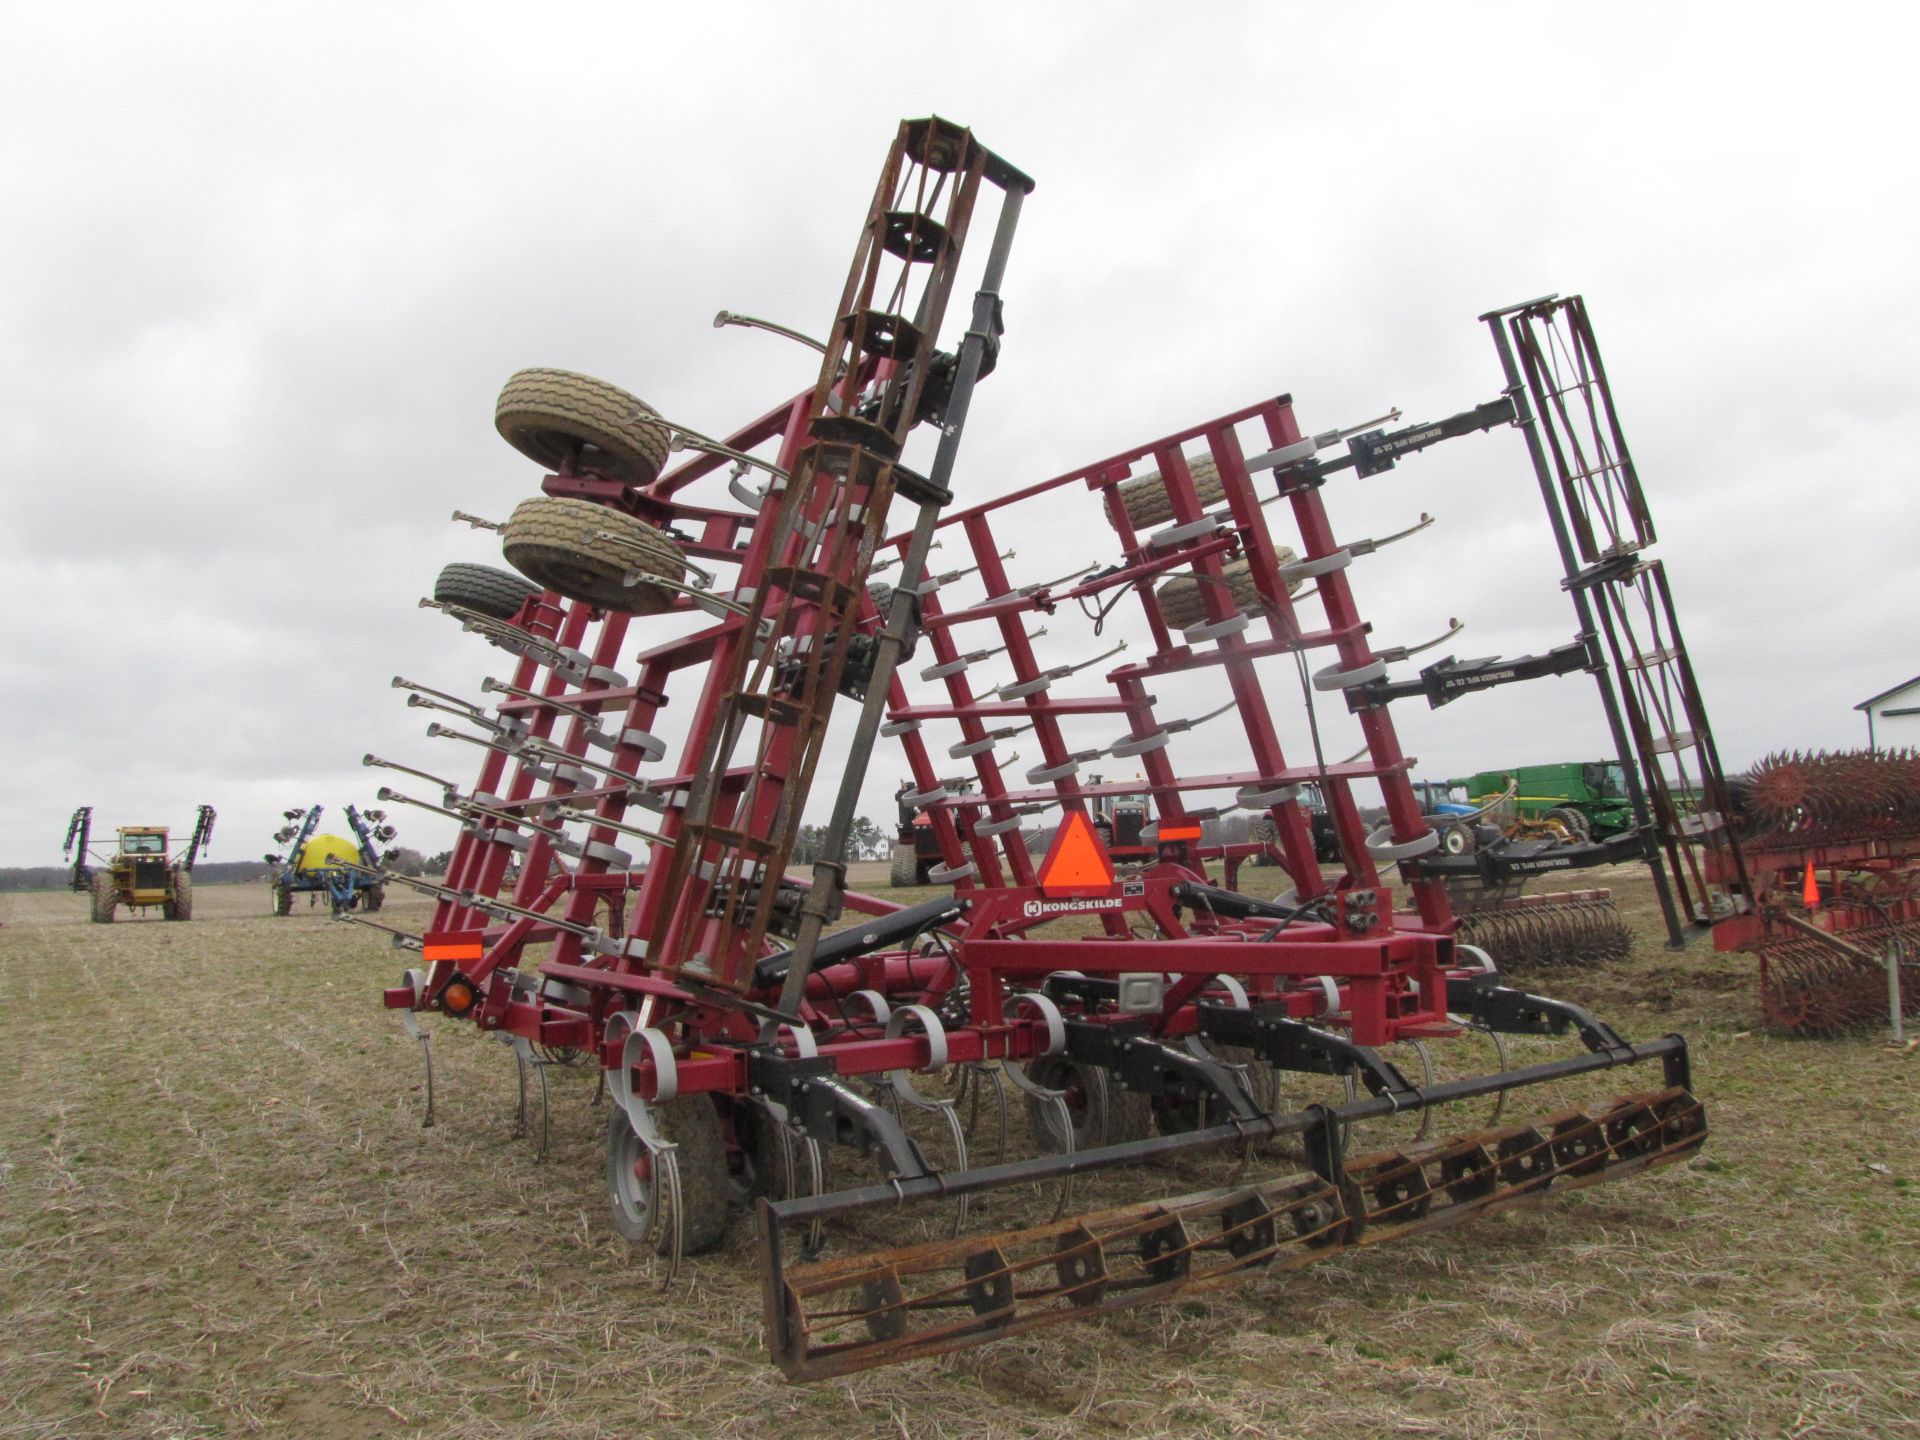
{"x": 1138, "y": 1013}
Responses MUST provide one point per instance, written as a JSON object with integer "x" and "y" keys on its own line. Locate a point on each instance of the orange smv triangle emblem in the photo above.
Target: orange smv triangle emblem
{"x": 1076, "y": 863}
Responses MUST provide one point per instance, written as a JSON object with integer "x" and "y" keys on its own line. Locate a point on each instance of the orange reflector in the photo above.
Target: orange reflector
{"x": 458, "y": 997}
{"x": 1180, "y": 832}
{"x": 1810, "y": 889}
{"x": 452, "y": 945}
{"x": 1076, "y": 862}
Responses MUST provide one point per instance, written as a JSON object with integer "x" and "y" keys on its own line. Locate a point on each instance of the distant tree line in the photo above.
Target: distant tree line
{"x": 214, "y": 872}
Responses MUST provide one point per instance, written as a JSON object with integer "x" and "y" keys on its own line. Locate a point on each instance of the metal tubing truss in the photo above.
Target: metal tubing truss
{"x": 620, "y": 890}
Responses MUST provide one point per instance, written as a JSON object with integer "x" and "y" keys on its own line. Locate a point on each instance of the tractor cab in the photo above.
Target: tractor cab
{"x": 140, "y": 870}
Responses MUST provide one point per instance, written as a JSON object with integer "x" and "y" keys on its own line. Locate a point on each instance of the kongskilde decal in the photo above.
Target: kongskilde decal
{"x": 1061, "y": 907}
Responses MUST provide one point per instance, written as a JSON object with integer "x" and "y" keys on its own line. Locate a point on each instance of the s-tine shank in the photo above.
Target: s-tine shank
{"x": 829, "y": 873}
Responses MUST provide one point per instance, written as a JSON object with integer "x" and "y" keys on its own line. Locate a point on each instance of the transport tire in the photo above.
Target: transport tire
{"x": 104, "y": 898}
{"x": 1147, "y": 503}
{"x": 499, "y": 593}
{"x": 181, "y": 906}
{"x": 550, "y": 416}
{"x": 1182, "y": 599}
{"x": 693, "y": 1125}
{"x": 585, "y": 551}
{"x": 1457, "y": 840}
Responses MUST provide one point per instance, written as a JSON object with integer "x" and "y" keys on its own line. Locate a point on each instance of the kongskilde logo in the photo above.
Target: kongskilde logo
{"x": 1061, "y": 907}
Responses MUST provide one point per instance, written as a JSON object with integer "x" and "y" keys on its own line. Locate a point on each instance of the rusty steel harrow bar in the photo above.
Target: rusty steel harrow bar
{"x": 834, "y": 1316}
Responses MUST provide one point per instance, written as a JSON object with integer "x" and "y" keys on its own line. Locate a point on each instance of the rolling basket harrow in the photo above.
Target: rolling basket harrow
{"x": 1141, "y": 1014}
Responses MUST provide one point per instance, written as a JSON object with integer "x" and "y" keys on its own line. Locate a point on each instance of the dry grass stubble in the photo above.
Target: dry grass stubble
{"x": 219, "y": 1215}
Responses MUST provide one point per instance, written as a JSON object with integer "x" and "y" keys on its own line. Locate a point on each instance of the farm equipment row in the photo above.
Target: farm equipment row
{"x": 141, "y": 871}
{"x": 1140, "y": 1012}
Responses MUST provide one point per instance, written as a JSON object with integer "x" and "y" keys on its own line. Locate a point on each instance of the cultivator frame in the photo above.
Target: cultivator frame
{"x": 1190, "y": 1003}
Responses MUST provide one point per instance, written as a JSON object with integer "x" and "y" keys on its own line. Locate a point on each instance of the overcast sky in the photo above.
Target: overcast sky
{"x": 263, "y": 269}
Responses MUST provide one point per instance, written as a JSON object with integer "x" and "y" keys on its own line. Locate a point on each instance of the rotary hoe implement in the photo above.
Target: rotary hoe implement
{"x": 1318, "y": 1070}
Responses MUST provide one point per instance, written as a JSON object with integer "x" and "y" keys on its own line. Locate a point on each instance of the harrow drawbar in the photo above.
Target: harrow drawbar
{"x": 834, "y": 1316}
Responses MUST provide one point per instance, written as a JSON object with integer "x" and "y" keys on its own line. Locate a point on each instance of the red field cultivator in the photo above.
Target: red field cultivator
{"x": 1139, "y": 1013}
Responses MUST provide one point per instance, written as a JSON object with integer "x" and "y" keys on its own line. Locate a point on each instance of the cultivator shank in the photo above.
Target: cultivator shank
{"x": 621, "y": 888}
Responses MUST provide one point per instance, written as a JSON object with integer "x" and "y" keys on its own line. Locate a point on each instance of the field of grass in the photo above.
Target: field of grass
{"x": 219, "y": 1215}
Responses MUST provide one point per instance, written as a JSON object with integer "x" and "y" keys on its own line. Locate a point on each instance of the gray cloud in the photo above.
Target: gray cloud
{"x": 261, "y": 274}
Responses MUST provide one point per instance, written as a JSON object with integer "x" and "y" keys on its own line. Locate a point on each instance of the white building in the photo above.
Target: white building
{"x": 1893, "y": 717}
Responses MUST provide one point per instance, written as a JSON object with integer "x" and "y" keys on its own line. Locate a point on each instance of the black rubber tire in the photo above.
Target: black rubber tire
{"x": 557, "y": 544}
{"x": 1457, "y": 840}
{"x": 103, "y": 898}
{"x": 693, "y": 1124}
{"x": 881, "y": 594}
{"x": 903, "y": 867}
{"x": 1182, "y": 603}
{"x": 372, "y": 898}
{"x": 1575, "y": 820}
{"x": 549, "y": 415}
{"x": 1102, "y": 1110}
{"x": 181, "y": 906}
{"x": 283, "y": 900}
{"x": 499, "y": 593}
{"x": 1147, "y": 503}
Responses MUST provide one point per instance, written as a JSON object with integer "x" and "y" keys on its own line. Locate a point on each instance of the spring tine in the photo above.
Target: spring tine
{"x": 446, "y": 785}
{"x": 887, "y": 563}
{"x": 402, "y": 940}
{"x": 1029, "y": 591}
{"x": 1019, "y": 689}
{"x": 400, "y": 682}
{"x": 728, "y": 317}
{"x": 933, "y": 582}
{"x": 463, "y": 712}
{"x": 476, "y": 522}
{"x": 505, "y": 744}
{"x": 666, "y": 1161}
{"x": 1367, "y": 547}
{"x": 491, "y": 686}
{"x": 1395, "y": 653}
{"x": 682, "y": 438}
